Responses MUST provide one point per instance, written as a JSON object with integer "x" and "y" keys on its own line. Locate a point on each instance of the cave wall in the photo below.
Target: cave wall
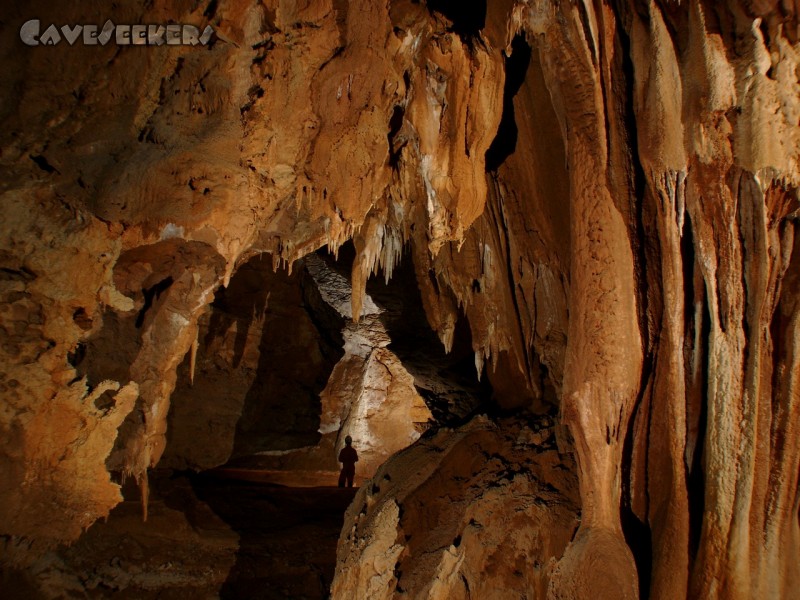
{"x": 253, "y": 383}
{"x": 607, "y": 191}
{"x": 258, "y": 143}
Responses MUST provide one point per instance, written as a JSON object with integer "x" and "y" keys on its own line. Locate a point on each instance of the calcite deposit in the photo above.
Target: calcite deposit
{"x": 588, "y": 211}
{"x": 481, "y": 512}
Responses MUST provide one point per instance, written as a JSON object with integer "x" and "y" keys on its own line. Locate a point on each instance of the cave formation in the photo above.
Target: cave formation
{"x": 537, "y": 257}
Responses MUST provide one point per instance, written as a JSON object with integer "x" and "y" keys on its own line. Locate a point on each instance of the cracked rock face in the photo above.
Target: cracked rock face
{"x": 598, "y": 200}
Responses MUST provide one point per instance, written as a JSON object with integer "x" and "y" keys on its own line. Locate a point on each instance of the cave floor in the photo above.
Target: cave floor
{"x": 287, "y": 536}
{"x": 206, "y": 536}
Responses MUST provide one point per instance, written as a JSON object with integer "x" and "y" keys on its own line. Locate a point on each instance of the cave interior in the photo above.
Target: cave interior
{"x": 536, "y": 260}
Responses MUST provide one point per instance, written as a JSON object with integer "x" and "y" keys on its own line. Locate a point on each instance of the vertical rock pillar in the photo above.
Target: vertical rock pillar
{"x": 604, "y": 349}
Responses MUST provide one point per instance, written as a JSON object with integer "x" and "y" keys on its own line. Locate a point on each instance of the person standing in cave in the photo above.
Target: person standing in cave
{"x": 348, "y": 457}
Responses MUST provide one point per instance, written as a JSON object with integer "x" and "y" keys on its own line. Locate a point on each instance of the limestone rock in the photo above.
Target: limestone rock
{"x": 481, "y": 511}
{"x": 598, "y": 199}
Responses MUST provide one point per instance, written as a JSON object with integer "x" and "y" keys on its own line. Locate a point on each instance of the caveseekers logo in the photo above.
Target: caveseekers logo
{"x": 123, "y": 35}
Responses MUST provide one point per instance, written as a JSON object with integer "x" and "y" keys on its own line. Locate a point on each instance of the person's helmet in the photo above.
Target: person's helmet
{"x": 348, "y": 440}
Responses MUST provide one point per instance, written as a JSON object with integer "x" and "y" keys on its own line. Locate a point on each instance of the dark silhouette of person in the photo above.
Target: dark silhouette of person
{"x": 348, "y": 457}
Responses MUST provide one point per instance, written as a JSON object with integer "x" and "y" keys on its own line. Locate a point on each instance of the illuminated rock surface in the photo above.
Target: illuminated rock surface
{"x": 481, "y": 512}
{"x": 591, "y": 206}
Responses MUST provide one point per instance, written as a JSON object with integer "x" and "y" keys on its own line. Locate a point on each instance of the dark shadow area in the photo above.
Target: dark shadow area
{"x": 637, "y": 534}
{"x": 287, "y": 536}
{"x": 395, "y": 144}
{"x": 639, "y": 539}
{"x": 296, "y": 355}
{"x": 468, "y": 16}
{"x": 18, "y": 584}
{"x": 150, "y": 295}
{"x": 44, "y": 164}
{"x": 207, "y": 535}
{"x": 695, "y": 482}
{"x": 505, "y": 142}
{"x": 266, "y": 349}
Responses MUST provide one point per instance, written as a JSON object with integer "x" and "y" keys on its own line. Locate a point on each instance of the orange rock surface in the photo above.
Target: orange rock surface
{"x": 600, "y": 197}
